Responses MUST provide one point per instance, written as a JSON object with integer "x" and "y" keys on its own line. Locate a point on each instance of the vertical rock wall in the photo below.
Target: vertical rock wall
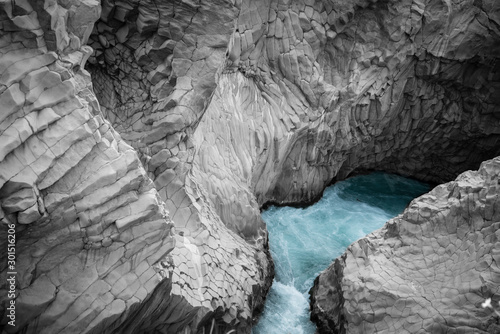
{"x": 85, "y": 211}
{"x": 155, "y": 67}
{"x": 313, "y": 90}
{"x": 426, "y": 271}
{"x": 194, "y": 115}
{"x": 96, "y": 248}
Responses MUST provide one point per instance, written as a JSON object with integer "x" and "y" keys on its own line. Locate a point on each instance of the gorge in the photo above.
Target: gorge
{"x": 140, "y": 138}
{"x": 303, "y": 241}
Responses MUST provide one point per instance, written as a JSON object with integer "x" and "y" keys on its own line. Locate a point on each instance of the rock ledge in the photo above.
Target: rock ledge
{"x": 426, "y": 271}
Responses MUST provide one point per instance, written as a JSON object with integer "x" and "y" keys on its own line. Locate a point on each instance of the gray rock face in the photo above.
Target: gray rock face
{"x": 98, "y": 247}
{"x": 154, "y": 70}
{"x": 358, "y": 84}
{"x": 426, "y": 271}
{"x": 191, "y": 116}
{"x": 313, "y": 91}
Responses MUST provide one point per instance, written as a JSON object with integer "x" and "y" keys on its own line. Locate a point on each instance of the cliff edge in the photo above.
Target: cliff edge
{"x": 140, "y": 139}
{"x": 426, "y": 271}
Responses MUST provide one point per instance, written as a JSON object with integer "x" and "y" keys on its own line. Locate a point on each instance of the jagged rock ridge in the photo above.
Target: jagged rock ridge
{"x": 220, "y": 107}
{"x": 96, "y": 248}
{"x": 314, "y": 90}
{"x": 426, "y": 271}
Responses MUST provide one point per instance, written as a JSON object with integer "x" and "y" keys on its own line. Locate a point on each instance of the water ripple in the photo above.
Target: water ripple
{"x": 304, "y": 241}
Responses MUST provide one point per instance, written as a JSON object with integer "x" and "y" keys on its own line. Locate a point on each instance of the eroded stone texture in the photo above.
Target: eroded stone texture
{"x": 154, "y": 68}
{"x": 96, "y": 251}
{"x": 313, "y": 90}
{"x": 426, "y": 271}
{"x": 86, "y": 214}
{"x": 304, "y": 91}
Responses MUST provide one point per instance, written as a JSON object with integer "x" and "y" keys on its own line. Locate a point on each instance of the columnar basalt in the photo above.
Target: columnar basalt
{"x": 96, "y": 249}
{"x": 154, "y": 69}
{"x": 407, "y": 94}
{"x": 193, "y": 116}
{"x": 315, "y": 90}
{"x": 426, "y": 271}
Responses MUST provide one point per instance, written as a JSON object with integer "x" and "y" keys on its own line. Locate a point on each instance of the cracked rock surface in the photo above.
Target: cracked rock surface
{"x": 426, "y": 271}
{"x": 99, "y": 246}
{"x": 312, "y": 91}
{"x": 139, "y": 139}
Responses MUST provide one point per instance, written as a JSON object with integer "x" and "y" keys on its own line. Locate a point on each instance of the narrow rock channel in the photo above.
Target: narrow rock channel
{"x": 304, "y": 241}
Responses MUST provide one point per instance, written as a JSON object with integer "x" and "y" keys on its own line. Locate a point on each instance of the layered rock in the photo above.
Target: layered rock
{"x": 168, "y": 56}
{"x": 154, "y": 67}
{"x": 96, "y": 249}
{"x": 199, "y": 113}
{"x": 426, "y": 271}
{"x": 315, "y": 90}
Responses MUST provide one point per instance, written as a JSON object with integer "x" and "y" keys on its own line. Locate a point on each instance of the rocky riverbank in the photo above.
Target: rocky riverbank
{"x": 140, "y": 139}
{"x": 428, "y": 270}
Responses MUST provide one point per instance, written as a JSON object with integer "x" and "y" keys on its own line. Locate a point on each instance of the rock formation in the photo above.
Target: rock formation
{"x": 126, "y": 123}
{"x": 315, "y": 90}
{"x": 97, "y": 250}
{"x": 426, "y": 271}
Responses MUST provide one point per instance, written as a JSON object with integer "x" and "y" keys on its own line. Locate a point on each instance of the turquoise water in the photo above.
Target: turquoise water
{"x": 305, "y": 241}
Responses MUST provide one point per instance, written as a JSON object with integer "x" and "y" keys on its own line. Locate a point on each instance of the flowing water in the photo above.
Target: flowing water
{"x": 305, "y": 241}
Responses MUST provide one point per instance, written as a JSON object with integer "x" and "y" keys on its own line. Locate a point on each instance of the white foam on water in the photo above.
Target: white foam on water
{"x": 287, "y": 311}
{"x": 304, "y": 241}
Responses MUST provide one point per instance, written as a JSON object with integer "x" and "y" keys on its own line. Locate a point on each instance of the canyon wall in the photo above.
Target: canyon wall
{"x": 100, "y": 246}
{"x": 426, "y": 271}
{"x": 140, "y": 139}
{"x": 314, "y": 90}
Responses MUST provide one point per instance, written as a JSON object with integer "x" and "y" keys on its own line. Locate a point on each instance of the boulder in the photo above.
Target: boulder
{"x": 428, "y": 270}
